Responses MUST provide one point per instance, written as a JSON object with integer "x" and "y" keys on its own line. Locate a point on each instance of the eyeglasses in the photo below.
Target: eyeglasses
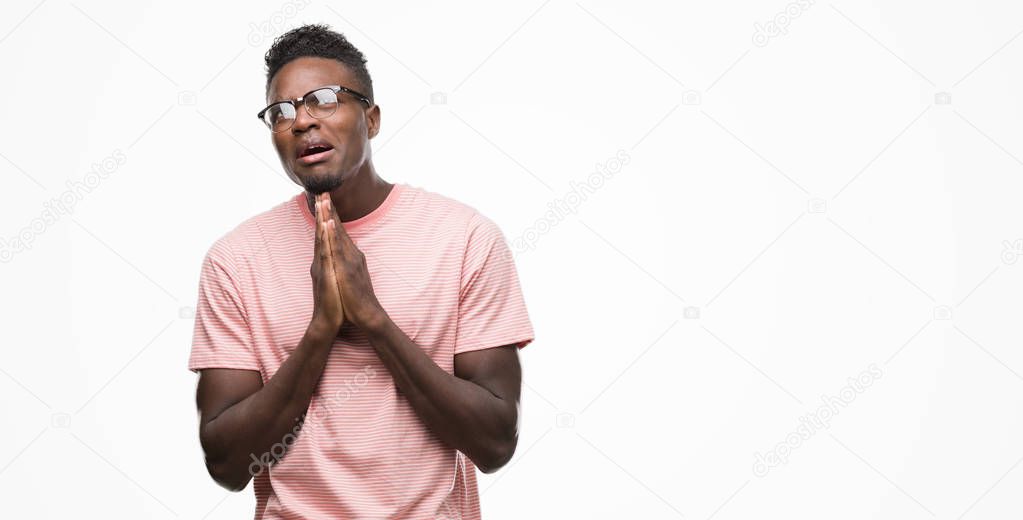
{"x": 319, "y": 103}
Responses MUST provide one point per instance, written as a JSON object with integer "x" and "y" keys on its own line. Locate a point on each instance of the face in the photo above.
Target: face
{"x": 341, "y": 139}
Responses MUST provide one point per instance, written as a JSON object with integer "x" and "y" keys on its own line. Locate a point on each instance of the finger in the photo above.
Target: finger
{"x": 332, "y": 261}
{"x": 335, "y": 261}
{"x": 325, "y": 222}
{"x": 329, "y": 226}
{"x": 331, "y": 243}
{"x": 324, "y": 238}
{"x": 328, "y": 260}
{"x": 330, "y": 215}
{"x": 322, "y": 252}
{"x": 332, "y": 246}
{"x": 342, "y": 236}
{"x": 319, "y": 225}
{"x": 332, "y": 209}
{"x": 317, "y": 235}
{"x": 332, "y": 239}
{"x": 317, "y": 214}
{"x": 321, "y": 213}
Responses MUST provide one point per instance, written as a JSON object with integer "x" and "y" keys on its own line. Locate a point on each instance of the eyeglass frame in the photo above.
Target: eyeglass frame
{"x": 295, "y": 102}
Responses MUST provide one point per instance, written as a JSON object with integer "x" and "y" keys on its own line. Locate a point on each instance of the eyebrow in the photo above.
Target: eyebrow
{"x": 278, "y": 100}
{"x": 294, "y": 98}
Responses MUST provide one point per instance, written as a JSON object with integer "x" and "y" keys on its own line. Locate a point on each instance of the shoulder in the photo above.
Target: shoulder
{"x": 242, "y": 240}
{"x": 449, "y": 212}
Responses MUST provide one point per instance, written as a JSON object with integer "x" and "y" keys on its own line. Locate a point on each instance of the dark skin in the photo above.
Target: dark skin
{"x": 475, "y": 410}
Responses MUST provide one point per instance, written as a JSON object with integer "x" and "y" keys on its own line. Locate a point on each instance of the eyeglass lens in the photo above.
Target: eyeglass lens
{"x": 319, "y": 104}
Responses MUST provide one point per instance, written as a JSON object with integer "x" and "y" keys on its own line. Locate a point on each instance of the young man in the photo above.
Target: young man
{"x": 356, "y": 344}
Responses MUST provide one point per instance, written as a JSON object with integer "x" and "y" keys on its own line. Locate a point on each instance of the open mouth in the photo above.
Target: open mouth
{"x": 314, "y": 153}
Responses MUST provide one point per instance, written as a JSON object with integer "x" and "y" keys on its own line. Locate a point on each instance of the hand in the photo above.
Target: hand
{"x": 328, "y": 308}
{"x": 360, "y": 302}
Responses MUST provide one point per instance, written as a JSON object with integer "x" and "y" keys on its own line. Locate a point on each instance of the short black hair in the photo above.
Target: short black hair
{"x": 319, "y": 41}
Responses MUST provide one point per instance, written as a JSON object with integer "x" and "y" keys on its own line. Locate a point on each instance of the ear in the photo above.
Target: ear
{"x": 373, "y": 121}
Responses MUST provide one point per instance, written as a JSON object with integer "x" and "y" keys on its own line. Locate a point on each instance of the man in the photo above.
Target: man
{"x": 356, "y": 344}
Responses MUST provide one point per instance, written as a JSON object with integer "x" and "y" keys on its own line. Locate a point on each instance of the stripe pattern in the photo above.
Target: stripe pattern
{"x": 444, "y": 274}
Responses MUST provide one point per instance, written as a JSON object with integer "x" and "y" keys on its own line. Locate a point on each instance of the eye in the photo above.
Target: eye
{"x": 280, "y": 114}
{"x": 324, "y": 100}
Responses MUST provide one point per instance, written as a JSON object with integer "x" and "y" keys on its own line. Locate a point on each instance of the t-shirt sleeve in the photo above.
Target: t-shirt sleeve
{"x": 491, "y": 309}
{"x": 222, "y": 337}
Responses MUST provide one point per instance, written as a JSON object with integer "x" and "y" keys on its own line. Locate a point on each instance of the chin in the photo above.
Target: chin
{"x": 321, "y": 184}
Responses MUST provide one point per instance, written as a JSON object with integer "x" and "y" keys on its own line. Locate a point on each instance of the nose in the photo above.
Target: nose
{"x": 303, "y": 121}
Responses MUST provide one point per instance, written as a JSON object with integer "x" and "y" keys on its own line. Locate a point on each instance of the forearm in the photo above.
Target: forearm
{"x": 242, "y": 434}
{"x": 461, "y": 413}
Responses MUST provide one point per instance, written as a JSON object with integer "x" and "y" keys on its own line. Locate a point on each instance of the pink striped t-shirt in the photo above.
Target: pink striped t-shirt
{"x": 444, "y": 274}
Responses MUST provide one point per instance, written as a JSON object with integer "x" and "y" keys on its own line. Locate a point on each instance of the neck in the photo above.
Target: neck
{"x": 357, "y": 196}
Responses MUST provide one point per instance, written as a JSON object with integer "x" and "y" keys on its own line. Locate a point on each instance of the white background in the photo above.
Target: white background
{"x": 845, "y": 195}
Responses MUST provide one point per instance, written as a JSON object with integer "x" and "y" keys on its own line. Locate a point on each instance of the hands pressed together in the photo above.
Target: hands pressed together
{"x": 342, "y": 288}
{"x": 473, "y": 408}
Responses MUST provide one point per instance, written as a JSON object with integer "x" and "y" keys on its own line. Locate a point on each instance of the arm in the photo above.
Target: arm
{"x": 240, "y": 420}
{"x": 475, "y": 410}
